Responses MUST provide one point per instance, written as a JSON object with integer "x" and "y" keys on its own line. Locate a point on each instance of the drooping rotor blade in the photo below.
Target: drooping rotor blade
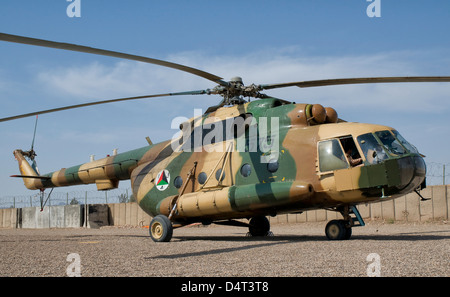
{"x": 199, "y": 92}
{"x": 32, "y": 176}
{"x": 96, "y": 51}
{"x": 362, "y": 80}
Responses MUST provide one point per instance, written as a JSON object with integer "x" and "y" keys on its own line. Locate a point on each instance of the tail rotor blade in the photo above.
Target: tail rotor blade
{"x": 34, "y": 134}
{"x": 34, "y": 166}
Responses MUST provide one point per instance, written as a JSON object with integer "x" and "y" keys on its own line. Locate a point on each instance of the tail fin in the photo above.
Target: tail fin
{"x": 31, "y": 178}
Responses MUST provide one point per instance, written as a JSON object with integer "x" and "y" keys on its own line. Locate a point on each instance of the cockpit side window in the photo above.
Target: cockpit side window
{"x": 351, "y": 151}
{"x": 371, "y": 149}
{"x": 331, "y": 156}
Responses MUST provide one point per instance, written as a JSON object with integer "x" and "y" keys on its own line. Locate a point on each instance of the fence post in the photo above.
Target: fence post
{"x": 443, "y": 174}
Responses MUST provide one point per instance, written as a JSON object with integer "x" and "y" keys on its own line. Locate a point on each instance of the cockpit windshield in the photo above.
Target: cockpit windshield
{"x": 342, "y": 152}
{"x": 390, "y": 143}
{"x": 372, "y": 150}
{"x": 382, "y": 144}
{"x": 406, "y": 144}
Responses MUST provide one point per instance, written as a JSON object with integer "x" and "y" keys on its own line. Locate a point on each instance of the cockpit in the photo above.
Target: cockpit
{"x": 370, "y": 148}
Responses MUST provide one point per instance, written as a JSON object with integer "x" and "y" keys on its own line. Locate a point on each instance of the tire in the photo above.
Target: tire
{"x": 259, "y": 226}
{"x": 348, "y": 232}
{"x": 336, "y": 230}
{"x": 161, "y": 229}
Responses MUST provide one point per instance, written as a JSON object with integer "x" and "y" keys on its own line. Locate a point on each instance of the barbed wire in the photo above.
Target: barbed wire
{"x": 437, "y": 174}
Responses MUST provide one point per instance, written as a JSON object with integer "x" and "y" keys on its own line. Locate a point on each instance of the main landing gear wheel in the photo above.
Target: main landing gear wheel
{"x": 161, "y": 229}
{"x": 338, "y": 230}
{"x": 259, "y": 226}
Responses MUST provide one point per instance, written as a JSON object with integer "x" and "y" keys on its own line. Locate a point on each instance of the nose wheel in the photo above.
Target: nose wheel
{"x": 338, "y": 230}
{"x": 342, "y": 229}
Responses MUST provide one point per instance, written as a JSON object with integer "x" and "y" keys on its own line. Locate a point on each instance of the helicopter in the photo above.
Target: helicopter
{"x": 244, "y": 160}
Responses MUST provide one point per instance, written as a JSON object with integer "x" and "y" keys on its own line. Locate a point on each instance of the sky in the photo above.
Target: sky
{"x": 262, "y": 41}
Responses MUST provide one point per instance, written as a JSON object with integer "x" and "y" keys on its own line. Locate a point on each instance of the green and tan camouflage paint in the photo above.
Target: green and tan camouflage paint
{"x": 296, "y": 186}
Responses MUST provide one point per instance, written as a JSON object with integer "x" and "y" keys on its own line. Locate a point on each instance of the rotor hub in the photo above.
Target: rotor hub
{"x": 234, "y": 91}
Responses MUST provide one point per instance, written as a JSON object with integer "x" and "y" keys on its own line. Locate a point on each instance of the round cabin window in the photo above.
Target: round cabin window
{"x": 273, "y": 165}
{"x": 218, "y": 173}
{"x": 178, "y": 182}
{"x": 246, "y": 170}
{"x": 202, "y": 178}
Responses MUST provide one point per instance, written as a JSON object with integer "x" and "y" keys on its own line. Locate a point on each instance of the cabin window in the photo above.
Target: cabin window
{"x": 178, "y": 182}
{"x": 246, "y": 170}
{"x": 218, "y": 175}
{"x": 331, "y": 156}
{"x": 273, "y": 165}
{"x": 202, "y": 178}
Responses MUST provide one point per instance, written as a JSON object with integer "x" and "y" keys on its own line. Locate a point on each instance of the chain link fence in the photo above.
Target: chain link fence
{"x": 438, "y": 173}
{"x": 67, "y": 198}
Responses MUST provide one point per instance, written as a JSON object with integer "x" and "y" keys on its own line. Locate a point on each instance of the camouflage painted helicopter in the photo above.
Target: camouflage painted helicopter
{"x": 248, "y": 160}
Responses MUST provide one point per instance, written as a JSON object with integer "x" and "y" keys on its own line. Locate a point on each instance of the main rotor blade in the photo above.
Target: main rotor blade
{"x": 199, "y": 92}
{"x": 96, "y": 51}
{"x": 362, "y": 80}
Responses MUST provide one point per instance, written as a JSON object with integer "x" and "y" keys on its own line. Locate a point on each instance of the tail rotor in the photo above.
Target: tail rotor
{"x": 31, "y": 154}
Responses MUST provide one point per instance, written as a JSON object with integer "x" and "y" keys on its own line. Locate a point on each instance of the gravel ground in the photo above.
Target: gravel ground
{"x": 404, "y": 249}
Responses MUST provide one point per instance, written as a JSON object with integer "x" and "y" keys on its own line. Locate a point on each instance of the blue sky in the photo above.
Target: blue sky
{"x": 262, "y": 41}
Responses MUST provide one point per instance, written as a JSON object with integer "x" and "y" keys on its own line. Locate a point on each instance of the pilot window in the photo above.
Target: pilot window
{"x": 350, "y": 150}
{"x": 331, "y": 156}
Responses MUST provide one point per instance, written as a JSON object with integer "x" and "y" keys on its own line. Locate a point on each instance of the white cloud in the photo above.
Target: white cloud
{"x": 130, "y": 78}
{"x": 125, "y": 78}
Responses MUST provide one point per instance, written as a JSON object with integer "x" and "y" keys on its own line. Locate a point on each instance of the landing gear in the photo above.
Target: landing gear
{"x": 161, "y": 229}
{"x": 342, "y": 229}
{"x": 338, "y": 230}
{"x": 259, "y": 226}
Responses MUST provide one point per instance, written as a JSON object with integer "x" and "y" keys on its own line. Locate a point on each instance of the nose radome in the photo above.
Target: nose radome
{"x": 412, "y": 171}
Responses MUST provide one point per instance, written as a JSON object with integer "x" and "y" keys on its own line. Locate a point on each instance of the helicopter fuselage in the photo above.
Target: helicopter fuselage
{"x": 299, "y": 160}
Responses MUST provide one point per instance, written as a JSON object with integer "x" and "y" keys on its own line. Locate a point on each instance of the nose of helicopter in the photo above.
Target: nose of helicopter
{"x": 412, "y": 172}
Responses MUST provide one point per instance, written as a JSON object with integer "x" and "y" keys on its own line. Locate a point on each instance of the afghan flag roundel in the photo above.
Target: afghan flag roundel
{"x": 162, "y": 180}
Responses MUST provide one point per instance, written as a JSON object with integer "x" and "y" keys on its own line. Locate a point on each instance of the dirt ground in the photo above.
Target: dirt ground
{"x": 380, "y": 249}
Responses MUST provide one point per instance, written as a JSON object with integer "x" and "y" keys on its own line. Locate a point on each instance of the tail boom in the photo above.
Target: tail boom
{"x": 105, "y": 173}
